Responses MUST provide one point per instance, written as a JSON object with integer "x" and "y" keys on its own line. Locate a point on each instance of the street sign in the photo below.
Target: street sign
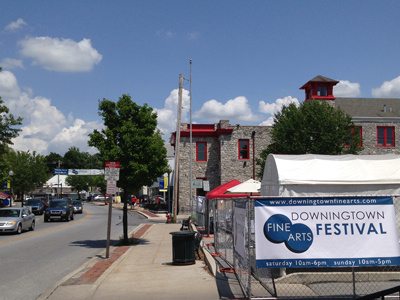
{"x": 197, "y": 183}
{"x": 112, "y": 164}
{"x": 206, "y": 186}
{"x": 60, "y": 171}
{"x": 111, "y": 171}
{"x": 163, "y": 183}
{"x": 111, "y": 187}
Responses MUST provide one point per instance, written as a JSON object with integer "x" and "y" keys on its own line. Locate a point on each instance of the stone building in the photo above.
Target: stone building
{"x": 222, "y": 152}
{"x": 377, "y": 119}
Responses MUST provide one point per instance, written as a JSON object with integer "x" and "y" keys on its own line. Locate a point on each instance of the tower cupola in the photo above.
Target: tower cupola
{"x": 320, "y": 88}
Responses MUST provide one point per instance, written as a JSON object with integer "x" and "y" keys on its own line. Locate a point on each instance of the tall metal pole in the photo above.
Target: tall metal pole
{"x": 109, "y": 226}
{"x": 191, "y": 140}
{"x": 177, "y": 141}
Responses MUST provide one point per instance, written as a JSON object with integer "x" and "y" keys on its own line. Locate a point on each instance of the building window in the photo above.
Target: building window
{"x": 355, "y": 131}
{"x": 244, "y": 150}
{"x": 201, "y": 151}
{"x": 385, "y": 136}
{"x": 322, "y": 91}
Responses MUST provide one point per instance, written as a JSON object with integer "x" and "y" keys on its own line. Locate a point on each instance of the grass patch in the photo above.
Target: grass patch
{"x": 131, "y": 241}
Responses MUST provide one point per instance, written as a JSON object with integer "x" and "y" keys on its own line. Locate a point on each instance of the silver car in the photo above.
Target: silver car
{"x": 16, "y": 219}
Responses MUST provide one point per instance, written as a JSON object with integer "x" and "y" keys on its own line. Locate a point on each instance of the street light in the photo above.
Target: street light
{"x": 11, "y": 173}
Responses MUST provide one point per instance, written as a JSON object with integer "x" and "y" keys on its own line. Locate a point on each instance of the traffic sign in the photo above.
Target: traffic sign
{"x": 60, "y": 171}
{"x": 111, "y": 187}
{"x": 111, "y": 172}
{"x": 112, "y": 164}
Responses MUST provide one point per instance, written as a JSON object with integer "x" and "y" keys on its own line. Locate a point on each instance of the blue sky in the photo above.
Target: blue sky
{"x": 248, "y": 59}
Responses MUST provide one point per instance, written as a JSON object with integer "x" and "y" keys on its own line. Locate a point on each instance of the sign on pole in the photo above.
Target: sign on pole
{"x": 111, "y": 171}
{"x": 60, "y": 171}
{"x": 111, "y": 187}
{"x": 111, "y": 174}
{"x": 163, "y": 184}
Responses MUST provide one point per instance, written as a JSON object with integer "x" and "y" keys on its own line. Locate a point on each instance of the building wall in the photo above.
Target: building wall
{"x": 231, "y": 166}
{"x": 223, "y": 162}
{"x": 369, "y": 136}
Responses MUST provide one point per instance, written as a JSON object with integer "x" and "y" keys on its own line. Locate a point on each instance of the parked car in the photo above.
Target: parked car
{"x": 99, "y": 198}
{"x": 16, "y": 219}
{"x": 78, "y": 206}
{"x": 59, "y": 209}
{"x": 38, "y": 205}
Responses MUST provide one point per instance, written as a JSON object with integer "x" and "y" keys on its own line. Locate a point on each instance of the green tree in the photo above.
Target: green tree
{"x": 130, "y": 137}
{"x": 53, "y": 161}
{"x": 313, "y": 127}
{"x": 8, "y": 129}
{"x": 80, "y": 183}
{"x": 75, "y": 159}
{"x": 30, "y": 170}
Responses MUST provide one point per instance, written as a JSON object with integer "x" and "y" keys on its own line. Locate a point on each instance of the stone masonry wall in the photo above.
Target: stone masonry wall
{"x": 231, "y": 166}
{"x": 222, "y": 163}
{"x": 369, "y": 136}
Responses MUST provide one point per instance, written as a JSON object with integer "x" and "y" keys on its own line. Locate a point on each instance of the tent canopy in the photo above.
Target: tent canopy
{"x": 220, "y": 191}
{"x": 250, "y": 186}
{"x": 4, "y": 195}
{"x": 57, "y": 180}
{"x": 323, "y": 175}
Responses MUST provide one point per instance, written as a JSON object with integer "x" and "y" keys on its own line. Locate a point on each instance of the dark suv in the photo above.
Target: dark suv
{"x": 38, "y": 205}
{"x": 59, "y": 209}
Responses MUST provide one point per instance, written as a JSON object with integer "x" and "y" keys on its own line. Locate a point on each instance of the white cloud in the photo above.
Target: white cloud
{"x": 8, "y": 85}
{"x": 267, "y": 122}
{"x": 62, "y": 55}
{"x": 45, "y": 129}
{"x": 76, "y": 135}
{"x": 16, "y": 24}
{"x": 389, "y": 89}
{"x": 235, "y": 110}
{"x": 11, "y": 63}
{"x": 272, "y": 108}
{"x": 346, "y": 88}
{"x": 193, "y": 35}
{"x": 165, "y": 33}
{"x": 167, "y": 116}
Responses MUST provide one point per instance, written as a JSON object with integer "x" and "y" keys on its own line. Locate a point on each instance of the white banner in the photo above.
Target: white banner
{"x": 85, "y": 172}
{"x": 326, "y": 232}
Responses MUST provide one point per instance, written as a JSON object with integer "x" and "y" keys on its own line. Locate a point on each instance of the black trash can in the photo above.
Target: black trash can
{"x": 183, "y": 248}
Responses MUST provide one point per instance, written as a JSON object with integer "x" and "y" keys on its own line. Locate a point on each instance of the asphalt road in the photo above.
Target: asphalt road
{"x": 32, "y": 262}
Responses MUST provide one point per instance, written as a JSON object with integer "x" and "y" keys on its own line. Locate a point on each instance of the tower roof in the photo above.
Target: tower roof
{"x": 319, "y": 78}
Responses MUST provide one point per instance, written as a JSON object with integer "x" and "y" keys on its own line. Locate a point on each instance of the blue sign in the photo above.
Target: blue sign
{"x": 60, "y": 171}
{"x": 161, "y": 183}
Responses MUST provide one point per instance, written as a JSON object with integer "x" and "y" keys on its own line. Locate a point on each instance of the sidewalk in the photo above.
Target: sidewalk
{"x": 142, "y": 271}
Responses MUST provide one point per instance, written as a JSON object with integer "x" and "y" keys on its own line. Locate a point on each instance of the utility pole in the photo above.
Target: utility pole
{"x": 191, "y": 143}
{"x": 177, "y": 141}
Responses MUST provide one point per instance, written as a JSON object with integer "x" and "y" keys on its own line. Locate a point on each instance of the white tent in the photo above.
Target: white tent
{"x": 331, "y": 175}
{"x": 250, "y": 186}
{"x": 57, "y": 180}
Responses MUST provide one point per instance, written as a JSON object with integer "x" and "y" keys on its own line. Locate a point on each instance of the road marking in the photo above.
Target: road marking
{"x": 88, "y": 215}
